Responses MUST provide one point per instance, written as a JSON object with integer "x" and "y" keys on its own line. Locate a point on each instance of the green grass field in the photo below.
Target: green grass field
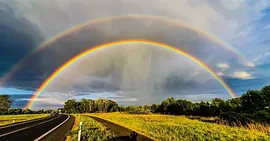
{"x": 92, "y": 130}
{"x": 8, "y": 119}
{"x": 180, "y": 128}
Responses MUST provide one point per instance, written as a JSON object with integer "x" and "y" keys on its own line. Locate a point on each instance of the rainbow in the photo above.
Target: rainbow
{"x": 179, "y": 23}
{"x": 92, "y": 50}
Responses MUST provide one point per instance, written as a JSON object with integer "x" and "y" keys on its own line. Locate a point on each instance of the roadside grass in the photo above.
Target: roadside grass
{"x": 91, "y": 130}
{"x": 8, "y": 119}
{"x": 181, "y": 128}
{"x": 74, "y": 127}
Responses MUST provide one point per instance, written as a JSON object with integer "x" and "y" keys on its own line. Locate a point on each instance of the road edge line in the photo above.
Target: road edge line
{"x": 26, "y": 127}
{"x": 47, "y": 133}
{"x": 24, "y": 122}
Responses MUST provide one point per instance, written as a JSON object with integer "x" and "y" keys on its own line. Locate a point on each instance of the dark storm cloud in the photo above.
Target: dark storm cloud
{"x": 19, "y": 101}
{"x": 96, "y": 86}
{"x": 18, "y": 37}
{"x": 43, "y": 63}
{"x": 176, "y": 84}
{"x": 173, "y": 85}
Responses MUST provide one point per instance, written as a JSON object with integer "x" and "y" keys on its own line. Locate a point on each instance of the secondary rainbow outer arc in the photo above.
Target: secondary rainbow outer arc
{"x": 81, "y": 55}
{"x": 210, "y": 36}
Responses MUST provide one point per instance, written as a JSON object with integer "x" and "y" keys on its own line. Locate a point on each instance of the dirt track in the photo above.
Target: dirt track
{"x": 120, "y": 131}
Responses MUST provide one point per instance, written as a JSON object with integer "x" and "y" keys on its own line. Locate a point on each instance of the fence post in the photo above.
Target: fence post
{"x": 80, "y": 131}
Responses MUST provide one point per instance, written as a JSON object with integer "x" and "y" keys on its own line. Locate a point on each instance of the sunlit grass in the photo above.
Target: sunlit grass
{"x": 74, "y": 127}
{"x": 8, "y": 119}
{"x": 180, "y": 128}
{"x": 91, "y": 130}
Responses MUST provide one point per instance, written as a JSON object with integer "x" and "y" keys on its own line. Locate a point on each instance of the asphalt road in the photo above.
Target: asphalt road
{"x": 15, "y": 126}
{"x": 59, "y": 133}
{"x": 120, "y": 131}
{"x": 32, "y": 130}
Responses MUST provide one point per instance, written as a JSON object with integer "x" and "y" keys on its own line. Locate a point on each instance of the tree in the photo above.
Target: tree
{"x": 99, "y": 103}
{"x": 184, "y": 107}
{"x": 154, "y": 108}
{"x": 70, "y": 106}
{"x": 218, "y": 105}
{"x": 5, "y": 103}
{"x": 265, "y": 91}
{"x": 233, "y": 105}
{"x": 78, "y": 107}
{"x": 84, "y": 105}
{"x": 91, "y": 106}
{"x": 112, "y": 106}
{"x": 40, "y": 111}
{"x": 167, "y": 105}
{"x": 253, "y": 101}
{"x": 122, "y": 108}
{"x": 27, "y": 111}
{"x": 205, "y": 109}
{"x": 13, "y": 111}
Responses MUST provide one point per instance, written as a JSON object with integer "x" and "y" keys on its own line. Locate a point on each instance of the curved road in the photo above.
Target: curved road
{"x": 41, "y": 129}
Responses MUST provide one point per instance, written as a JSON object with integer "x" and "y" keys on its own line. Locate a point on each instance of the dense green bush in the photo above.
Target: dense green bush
{"x": 233, "y": 118}
{"x": 262, "y": 116}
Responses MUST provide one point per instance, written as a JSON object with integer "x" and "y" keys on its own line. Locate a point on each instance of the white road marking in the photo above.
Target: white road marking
{"x": 27, "y": 127}
{"x": 42, "y": 136}
{"x": 24, "y": 122}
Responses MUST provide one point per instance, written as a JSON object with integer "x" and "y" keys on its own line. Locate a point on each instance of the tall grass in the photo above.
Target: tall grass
{"x": 251, "y": 126}
{"x": 91, "y": 130}
{"x": 8, "y": 119}
{"x": 181, "y": 128}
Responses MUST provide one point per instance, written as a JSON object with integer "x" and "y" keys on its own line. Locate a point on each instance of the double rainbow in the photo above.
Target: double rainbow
{"x": 175, "y": 22}
{"x": 94, "y": 49}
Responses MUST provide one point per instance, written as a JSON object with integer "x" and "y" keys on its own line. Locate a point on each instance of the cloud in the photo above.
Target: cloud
{"x": 220, "y": 73}
{"x": 223, "y": 66}
{"x": 42, "y": 64}
{"x": 137, "y": 71}
{"x": 242, "y": 75}
{"x": 250, "y": 64}
{"x": 18, "y": 37}
{"x": 126, "y": 71}
{"x": 20, "y": 100}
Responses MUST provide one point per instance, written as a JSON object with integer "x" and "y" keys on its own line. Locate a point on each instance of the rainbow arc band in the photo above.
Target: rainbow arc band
{"x": 94, "y": 49}
{"x": 176, "y": 22}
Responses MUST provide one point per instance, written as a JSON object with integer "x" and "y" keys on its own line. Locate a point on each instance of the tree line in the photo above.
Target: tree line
{"x": 90, "y": 106}
{"x": 251, "y": 106}
{"x": 6, "y": 102}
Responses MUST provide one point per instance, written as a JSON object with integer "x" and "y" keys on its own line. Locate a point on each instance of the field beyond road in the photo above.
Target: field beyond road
{"x": 8, "y": 119}
{"x": 180, "y": 128}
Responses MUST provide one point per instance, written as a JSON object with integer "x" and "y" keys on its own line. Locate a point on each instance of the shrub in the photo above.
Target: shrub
{"x": 233, "y": 118}
{"x": 262, "y": 116}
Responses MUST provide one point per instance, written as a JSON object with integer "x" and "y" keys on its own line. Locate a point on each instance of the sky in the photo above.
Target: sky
{"x": 132, "y": 73}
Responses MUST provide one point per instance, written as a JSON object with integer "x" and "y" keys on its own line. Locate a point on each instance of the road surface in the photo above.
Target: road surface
{"x": 51, "y": 128}
{"x": 120, "y": 131}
